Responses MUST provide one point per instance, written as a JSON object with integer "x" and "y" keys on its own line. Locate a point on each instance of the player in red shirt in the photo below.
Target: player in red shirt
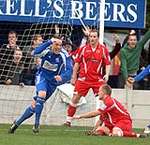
{"x": 116, "y": 119}
{"x": 87, "y": 71}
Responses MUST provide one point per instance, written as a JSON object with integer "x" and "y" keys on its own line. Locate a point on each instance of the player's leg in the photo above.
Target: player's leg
{"x": 124, "y": 128}
{"x": 81, "y": 89}
{"x": 29, "y": 111}
{"x": 72, "y": 109}
{"x": 102, "y": 130}
{"x": 116, "y": 131}
{"x": 41, "y": 89}
{"x": 38, "y": 109}
{"x": 127, "y": 133}
{"x": 45, "y": 90}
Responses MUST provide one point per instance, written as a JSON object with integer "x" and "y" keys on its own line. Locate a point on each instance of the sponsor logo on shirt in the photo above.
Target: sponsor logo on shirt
{"x": 49, "y": 66}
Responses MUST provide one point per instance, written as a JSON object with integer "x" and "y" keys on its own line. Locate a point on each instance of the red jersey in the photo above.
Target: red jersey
{"x": 73, "y": 54}
{"x": 91, "y": 61}
{"x": 114, "y": 110}
{"x": 105, "y": 121}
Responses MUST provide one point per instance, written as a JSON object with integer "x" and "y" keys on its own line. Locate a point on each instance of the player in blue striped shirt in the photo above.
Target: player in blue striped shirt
{"x": 56, "y": 69}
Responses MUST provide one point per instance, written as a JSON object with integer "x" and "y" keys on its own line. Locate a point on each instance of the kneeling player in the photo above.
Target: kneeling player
{"x": 116, "y": 119}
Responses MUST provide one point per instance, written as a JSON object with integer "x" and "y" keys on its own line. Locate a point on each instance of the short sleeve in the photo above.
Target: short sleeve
{"x": 107, "y": 105}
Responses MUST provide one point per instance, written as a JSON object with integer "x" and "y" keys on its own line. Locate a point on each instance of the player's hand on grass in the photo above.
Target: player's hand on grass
{"x": 91, "y": 132}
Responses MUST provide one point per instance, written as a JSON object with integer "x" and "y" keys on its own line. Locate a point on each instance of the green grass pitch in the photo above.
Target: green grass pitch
{"x": 60, "y": 135}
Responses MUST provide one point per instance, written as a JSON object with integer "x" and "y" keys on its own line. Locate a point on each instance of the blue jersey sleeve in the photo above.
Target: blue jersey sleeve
{"x": 40, "y": 51}
{"x": 66, "y": 72}
{"x": 142, "y": 74}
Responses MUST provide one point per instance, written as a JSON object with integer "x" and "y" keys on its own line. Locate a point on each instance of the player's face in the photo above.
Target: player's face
{"x": 93, "y": 38}
{"x": 57, "y": 45}
{"x": 132, "y": 41}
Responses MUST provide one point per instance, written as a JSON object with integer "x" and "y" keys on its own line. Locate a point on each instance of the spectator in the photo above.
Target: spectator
{"x": 115, "y": 64}
{"x": 67, "y": 45}
{"x": 130, "y": 57}
{"x": 14, "y": 69}
{"x": 7, "y": 52}
{"x": 88, "y": 67}
{"x": 30, "y": 63}
{"x": 70, "y": 48}
{"x": 149, "y": 53}
{"x": 116, "y": 119}
{"x": 131, "y": 32}
{"x": 85, "y": 39}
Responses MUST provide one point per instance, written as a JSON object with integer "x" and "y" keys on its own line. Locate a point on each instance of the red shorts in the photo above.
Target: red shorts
{"x": 82, "y": 87}
{"x": 124, "y": 125}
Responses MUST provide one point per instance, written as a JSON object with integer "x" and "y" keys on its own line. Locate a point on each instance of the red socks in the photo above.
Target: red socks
{"x": 71, "y": 111}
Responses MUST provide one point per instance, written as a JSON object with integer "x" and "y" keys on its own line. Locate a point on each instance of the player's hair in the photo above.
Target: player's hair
{"x": 94, "y": 31}
{"x": 106, "y": 89}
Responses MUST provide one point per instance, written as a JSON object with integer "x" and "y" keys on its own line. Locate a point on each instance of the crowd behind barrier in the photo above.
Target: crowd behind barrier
{"x": 25, "y": 71}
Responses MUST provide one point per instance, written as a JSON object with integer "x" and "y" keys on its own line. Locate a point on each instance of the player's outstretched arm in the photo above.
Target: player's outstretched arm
{"x": 40, "y": 49}
{"x": 87, "y": 115}
{"x": 142, "y": 74}
{"x": 139, "y": 77}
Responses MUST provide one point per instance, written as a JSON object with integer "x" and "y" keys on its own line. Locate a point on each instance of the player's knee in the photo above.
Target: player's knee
{"x": 75, "y": 98}
{"x": 73, "y": 104}
{"x": 103, "y": 130}
{"x": 42, "y": 94}
{"x": 33, "y": 103}
{"x": 117, "y": 132}
{"x": 100, "y": 131}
